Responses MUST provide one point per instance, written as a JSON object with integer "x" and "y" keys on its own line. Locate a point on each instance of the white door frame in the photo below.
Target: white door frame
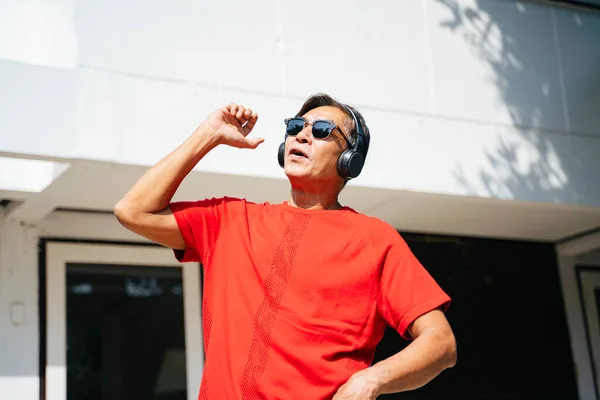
{"x": 589, "y": 279}
{"x": 571, "y": 255}
{"x": 59, "y": 254}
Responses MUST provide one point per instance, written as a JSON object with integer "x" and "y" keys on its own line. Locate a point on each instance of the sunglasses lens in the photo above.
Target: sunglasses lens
{"x": 294, "y": 126}
{"x": 321, "y": 129}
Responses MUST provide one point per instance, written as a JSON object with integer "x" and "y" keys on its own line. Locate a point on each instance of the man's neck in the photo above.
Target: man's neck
{"x": 321, "y": 200}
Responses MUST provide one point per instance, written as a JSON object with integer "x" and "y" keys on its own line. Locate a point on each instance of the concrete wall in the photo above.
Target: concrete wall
{"x": 487, "y": 98}
{"x": 19, "y": 337}
{"x": 19, "y": 292}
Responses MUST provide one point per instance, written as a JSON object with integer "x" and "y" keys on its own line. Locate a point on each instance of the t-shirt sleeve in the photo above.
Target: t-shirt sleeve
{"x": 200, "y": 223}
{"x": 407, "y": 290}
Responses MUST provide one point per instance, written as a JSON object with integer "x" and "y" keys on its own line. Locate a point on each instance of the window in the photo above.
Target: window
{"x": 593, "y": 4}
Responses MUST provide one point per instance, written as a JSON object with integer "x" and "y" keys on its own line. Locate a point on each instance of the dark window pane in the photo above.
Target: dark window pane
{"x": 125, "y": 333}
{"x": 593, "y": 3}
{"x": 597, "y": 298}
{"x": 497, "y": 287}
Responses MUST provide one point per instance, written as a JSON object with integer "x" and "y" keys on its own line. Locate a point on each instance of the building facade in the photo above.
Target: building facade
{"x": 485, "y": 155}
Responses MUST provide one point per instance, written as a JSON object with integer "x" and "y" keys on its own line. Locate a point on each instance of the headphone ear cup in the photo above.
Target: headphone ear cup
{"x": 355, "y": 166}
{"x": 281, "y": 154}
{"x": 350, "y": 164}
{"x": 343, "y": 163}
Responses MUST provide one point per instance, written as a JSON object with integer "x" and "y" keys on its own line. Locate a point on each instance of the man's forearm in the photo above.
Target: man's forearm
{"x": 421, "y": 361}
{"x": 155, "y": 189}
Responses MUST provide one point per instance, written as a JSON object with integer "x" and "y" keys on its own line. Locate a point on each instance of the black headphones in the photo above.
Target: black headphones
{"x": 352, "y": 160}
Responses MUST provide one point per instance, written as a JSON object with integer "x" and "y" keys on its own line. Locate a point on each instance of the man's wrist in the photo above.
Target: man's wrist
{"x": 374, "y": 379}
{"x": 207, "y": 136}
{"x": 378, "y": 378}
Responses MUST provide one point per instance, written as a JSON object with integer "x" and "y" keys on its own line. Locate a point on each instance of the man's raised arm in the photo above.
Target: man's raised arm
{"x": 144, "y": 209}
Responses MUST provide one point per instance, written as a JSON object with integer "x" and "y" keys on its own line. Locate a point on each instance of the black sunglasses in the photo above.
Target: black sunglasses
{"x": 321, "y": 129}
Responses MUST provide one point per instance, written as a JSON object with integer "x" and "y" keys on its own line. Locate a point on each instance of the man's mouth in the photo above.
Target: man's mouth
{"x": 297, "y": 153}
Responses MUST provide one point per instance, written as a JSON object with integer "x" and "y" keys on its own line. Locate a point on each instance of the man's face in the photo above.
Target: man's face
{"x": 318, "y": 162}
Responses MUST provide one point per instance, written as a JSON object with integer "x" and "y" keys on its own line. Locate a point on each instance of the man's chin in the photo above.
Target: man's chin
{"x": 296, "y": 172}
{"x": 298, "y": 178}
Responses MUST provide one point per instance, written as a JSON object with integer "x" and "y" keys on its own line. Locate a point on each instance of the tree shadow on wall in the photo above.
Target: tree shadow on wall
{"x": 536, "y": 159}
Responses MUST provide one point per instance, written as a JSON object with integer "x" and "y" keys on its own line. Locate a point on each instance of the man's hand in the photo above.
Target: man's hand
{"x": 232, "y": 124}
{"x": 361, "y": 386}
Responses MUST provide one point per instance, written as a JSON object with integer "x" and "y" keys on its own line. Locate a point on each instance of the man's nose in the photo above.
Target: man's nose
{"x": 305, "y": 134}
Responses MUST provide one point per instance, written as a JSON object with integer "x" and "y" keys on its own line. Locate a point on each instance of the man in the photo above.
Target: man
{"x": 297, "y": 295}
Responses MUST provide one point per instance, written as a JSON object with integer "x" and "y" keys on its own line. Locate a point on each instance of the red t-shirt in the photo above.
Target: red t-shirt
{"x": 296, "y": 300}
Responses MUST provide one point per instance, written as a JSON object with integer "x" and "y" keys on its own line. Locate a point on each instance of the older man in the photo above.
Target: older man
{"x": 297, "y": 295}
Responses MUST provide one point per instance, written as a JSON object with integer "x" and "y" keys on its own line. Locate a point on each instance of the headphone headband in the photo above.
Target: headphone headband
{"x": 361, "y": 144}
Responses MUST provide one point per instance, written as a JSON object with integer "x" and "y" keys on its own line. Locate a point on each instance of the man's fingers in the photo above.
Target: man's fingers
{"x": 240, "y": 113}
{"x": 251, "y": 122}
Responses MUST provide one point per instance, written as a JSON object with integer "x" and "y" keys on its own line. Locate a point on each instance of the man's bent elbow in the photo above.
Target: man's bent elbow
{"x": 450, "y": 353}
{"x": 124, "y": 213}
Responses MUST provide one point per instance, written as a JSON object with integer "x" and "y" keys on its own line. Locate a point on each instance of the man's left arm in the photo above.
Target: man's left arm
{"x": 411, "y": 302}
{"x": 432, "y": 351}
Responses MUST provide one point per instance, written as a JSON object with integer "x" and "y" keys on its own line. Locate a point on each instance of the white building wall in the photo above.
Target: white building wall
{"x": 487, "y": 98}
{"x": 19, "y": 328}
{"x": 19, "y": 293}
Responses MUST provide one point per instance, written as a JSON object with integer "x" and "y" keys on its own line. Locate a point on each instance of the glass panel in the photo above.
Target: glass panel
{"x": 597, "y": 298}
{"x": 592, "y": 3}
{"x": 125, "y": 333}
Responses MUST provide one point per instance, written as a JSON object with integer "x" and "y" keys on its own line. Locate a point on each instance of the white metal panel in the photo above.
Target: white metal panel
{"x": 467, "y": 158}
{"x": 442, "y": 85}
{"x": 365, "y": 53}
{"x": 579, "y": 41}
{"x": 37, "y": 109}
{"x": 230, "y": 44}
{"x": 138, "y": 121}
{"x": 496, "y": 61}
{"x": 40, "y": 32}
